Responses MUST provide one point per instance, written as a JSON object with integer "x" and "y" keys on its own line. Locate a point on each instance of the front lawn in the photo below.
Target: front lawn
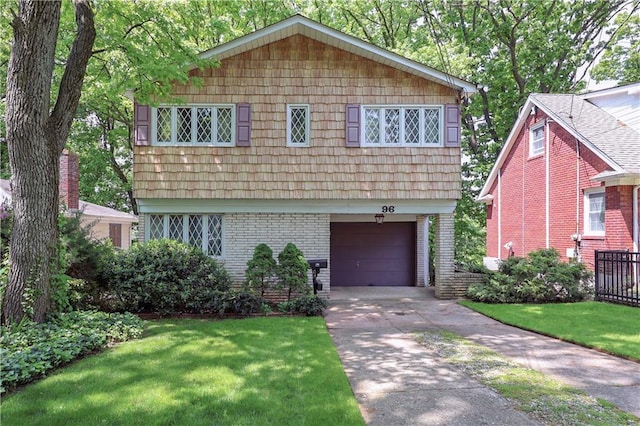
{"x": 611, "y": 328}
{"x": 259, "y": 371}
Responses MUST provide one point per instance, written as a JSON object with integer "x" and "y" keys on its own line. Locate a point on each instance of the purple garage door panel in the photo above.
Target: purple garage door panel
{"x": 368, "y": 254}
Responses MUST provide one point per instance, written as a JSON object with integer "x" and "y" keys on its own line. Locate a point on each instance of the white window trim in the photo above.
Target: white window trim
{"x": 534, "y": 128}
{"x": 194, "y": 128}
{"x": 586, "y": 225}
{"x": 307, "y": 125}
{"x": 185, "y": 229}
{"x": 402, "y": 143}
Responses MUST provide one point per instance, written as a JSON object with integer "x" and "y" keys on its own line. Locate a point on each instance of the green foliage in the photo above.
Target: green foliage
{"x": 242, "y": 303}
{"x": 165, "y": 276}
{"x": 292, "y": 271}
{"x": 621, "y": 62}
{"x": 30, "y": 351}
{"x": 539, "y": 278}
{"x": 309, "y": 305}
{"x": 261, "y": 269}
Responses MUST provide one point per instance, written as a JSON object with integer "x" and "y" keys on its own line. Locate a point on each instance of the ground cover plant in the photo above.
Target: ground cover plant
{"x": 546, "y": 400}
{"x": 256, "y": 371}
{"x": 604, "y": 326}
{"x": 541, "y": 277}
{"x": 30, "y": 351}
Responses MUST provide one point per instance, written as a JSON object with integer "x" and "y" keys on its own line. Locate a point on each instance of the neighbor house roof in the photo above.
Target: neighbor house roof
{"x": 298, "y": 24}
{"x": 617, "y": 144}
{"x": 89, "y": 210}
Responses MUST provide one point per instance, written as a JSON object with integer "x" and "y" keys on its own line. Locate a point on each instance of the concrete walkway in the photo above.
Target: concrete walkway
{"x": 399, "y": 382}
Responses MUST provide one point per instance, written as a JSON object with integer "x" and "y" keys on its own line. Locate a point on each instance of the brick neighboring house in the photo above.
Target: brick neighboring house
{"x": 567, "y": 177}
{"x": 304, "y": 134}
{"x": 105, "y": 222}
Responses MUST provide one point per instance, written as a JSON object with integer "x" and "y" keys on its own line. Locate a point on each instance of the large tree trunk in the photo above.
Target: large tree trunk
{"x": 35, "y": 139}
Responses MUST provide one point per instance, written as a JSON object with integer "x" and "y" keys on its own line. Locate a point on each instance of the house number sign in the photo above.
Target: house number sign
{"x": 388, "y": 209}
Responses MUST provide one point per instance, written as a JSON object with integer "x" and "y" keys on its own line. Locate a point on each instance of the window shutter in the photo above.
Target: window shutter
{"x": 452, "y": 125}
{"x": 115, "y": 234}
{"x": 142, "y": 124}
{"x": 352, "y": 129}
{"x": 243, "y": 125}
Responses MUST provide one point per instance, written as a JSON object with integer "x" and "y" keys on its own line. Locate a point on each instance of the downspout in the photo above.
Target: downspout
{"x": 499, "y": 213}
{"x": 634, "y": 209}
{"x": 546, "y": 183}
{"x": 577, "y": 252}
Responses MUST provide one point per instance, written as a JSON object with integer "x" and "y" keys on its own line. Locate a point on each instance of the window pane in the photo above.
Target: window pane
{"x": 195, "y": 231}
{"x": 175, "y": 227}
{"x": 537, "y": 142}
{"x": 412, "y": 126}
{"x": 299, "y": 125}
{"x": 432, "y": 125}
{"x": 224, "y": 124}
{"x": 596, "y": 212}
{"x": 214, "y": 240}
{"x": 204, "y": 124}
{"x": 372, "y": 125}
{"x": 184, "y": 125}
{"x": 156, "y": 227}
{"x": 392, "y": 126}
{"x": 163, "y": 125}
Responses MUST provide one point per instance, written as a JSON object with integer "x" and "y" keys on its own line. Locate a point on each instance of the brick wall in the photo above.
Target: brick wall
{"x": 244, "y": 231}
{"x": 523, "y": 201}
{"x": 69, "y": 180}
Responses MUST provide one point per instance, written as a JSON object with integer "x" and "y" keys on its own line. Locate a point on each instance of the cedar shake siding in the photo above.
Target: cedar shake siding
{"x": 300, "y": 70}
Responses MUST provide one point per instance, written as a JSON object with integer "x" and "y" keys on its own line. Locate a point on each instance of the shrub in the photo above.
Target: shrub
{"x": 32, "y": 350}
{"x": 261, "y": 269}
{"x": 292, "y": 271}
{"x": 539, "y": 278}
{"x": 242, "y": 303}
{"x": 309, "y": 305}
{"x": 166, "y": 276}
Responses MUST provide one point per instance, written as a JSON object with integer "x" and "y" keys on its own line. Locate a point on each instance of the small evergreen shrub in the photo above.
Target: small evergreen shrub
{"x": 29, "y": 351}
{"x": 261, "y": 269}
{"x": 166, "y": 276}
{"x": 292, "y": 271}
{"x": 539, "y": 278}
{"x": 242, "y": 303}
{"x": 309, "y": 305}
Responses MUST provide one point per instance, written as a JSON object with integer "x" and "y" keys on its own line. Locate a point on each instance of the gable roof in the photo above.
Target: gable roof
{"x": 298, "y": 24}
{"x": 89, "y": 210}
{"x": 617, "y": 144}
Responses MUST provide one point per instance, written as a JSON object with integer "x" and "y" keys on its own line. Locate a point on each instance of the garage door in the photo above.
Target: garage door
{"x": 368, "y": 254}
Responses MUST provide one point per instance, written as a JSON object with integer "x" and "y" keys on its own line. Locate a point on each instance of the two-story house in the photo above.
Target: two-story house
{"x": 568, "y": 177}
{"x": 305, "y": 134}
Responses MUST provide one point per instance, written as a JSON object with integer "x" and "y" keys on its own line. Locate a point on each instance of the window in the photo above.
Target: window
{"x": 297, "y": 125}
{"x": 402, "y": 125}
{"x": 194, "y": 125}
{"x": 594, "y": 208}
{"x": 203, "y": 231}
{"x": 536, "y": 141}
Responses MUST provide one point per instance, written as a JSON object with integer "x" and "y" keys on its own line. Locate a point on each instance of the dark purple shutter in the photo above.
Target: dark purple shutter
{"x": 142, "y": 124}
{"x": 452, "y": 125}
{"x": 115, "y": 234}
{"x": 243, "y": 125}
{"x": 352, "y": 128}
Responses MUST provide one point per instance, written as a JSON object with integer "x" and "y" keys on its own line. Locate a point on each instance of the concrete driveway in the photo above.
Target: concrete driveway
{"x": 399, "y": 382}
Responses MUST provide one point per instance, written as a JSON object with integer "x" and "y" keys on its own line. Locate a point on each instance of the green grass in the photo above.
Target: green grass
{"x": 543, "y": 398}
{"x": 604, "y": 326}
{"x": 260, "y": 371}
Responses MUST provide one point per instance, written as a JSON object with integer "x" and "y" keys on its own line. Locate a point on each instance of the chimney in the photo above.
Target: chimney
{"x": 69, "y": 180}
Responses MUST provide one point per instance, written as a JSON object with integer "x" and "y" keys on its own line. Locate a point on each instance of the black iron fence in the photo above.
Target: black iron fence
{"x": 617, "y": 277}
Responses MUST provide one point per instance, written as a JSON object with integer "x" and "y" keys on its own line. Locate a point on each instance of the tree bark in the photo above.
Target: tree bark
{"x": 35, "y": 140}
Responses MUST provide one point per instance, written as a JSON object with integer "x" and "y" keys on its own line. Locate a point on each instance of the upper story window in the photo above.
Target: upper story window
{"x": 202, "y": 231}
{"x": 402, "y": 125}
{"x": 194, "y": 125}
{"x": 536, "y": 140}
{"x": 297, "y": 125}
{"x": 594, "y": 209}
